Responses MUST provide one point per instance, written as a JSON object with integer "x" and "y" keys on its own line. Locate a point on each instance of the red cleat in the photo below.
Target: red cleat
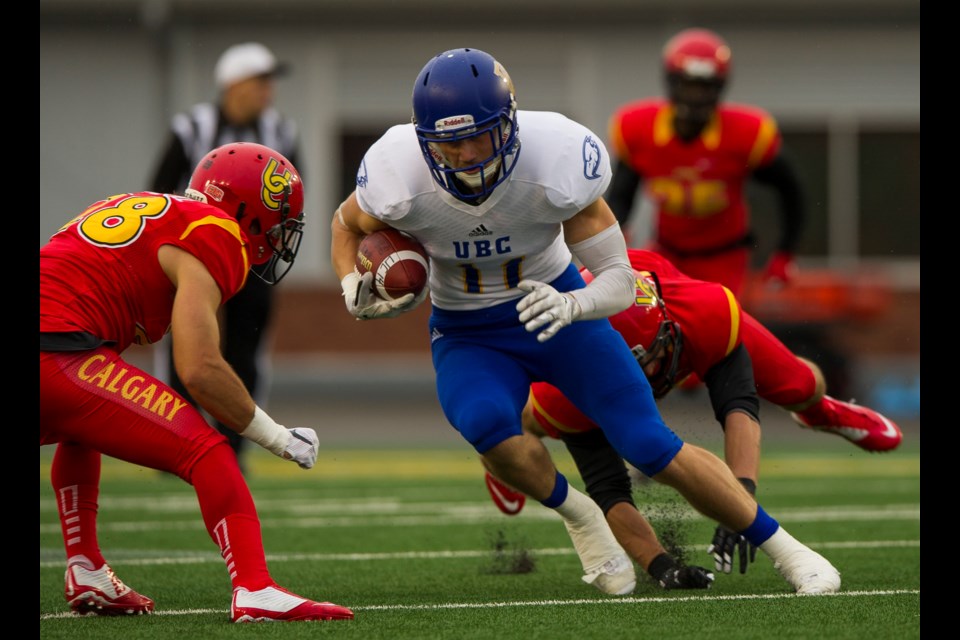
{"x": 101, "y": 592}
{"x": 274, "y": 604}
{"x": 507, "y": 500}
{"x": 862, "y": 426}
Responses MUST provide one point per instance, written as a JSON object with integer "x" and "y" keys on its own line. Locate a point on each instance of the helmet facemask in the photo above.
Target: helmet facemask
{"x": 283, "y": 239}
{"x": 477, "y": 181}
{"x": 664, "y": 349}
{"x": 667, "y": 345}
{"x": 694, "y": 101}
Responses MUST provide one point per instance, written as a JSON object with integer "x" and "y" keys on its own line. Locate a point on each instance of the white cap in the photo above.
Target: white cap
{"x": 247, "y": 60}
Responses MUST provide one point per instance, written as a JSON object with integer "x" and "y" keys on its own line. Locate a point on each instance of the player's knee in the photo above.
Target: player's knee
{"x": 212, "y": 447}
{"x": 485, "y": 423}
{"x": 633, "y": 425}
{"x": 530, "y": 423}
{"x": 649, "y": 446}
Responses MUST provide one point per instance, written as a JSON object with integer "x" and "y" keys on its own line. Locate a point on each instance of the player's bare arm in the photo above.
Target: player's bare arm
{"x": 741, "y": 443}
{"x": 206, "y": 375}
{"x": 349, "y": 225}
{"x": 588, "y": 222}
{"x": 347, "y": 228}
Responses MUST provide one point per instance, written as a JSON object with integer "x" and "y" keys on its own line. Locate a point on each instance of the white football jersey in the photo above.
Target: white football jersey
{"x": 478, "y": 253}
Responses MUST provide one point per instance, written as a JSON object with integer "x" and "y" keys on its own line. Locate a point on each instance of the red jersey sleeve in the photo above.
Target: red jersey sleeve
{"x": 752, "y": 132}
{"x": 219, "y": 244}
{"x": 630, "y": 127}
{"x": 100, "y": 273}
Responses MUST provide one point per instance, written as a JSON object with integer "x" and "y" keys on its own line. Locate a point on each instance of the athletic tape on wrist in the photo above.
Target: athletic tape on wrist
{"x": 267, "y": 433}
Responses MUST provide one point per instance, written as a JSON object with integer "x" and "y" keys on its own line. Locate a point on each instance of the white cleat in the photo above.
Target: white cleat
{"x": 273, "y": 604}
{"x": 616, "y": 577}
{"x": 808, "y": 572}
{"x": 605, "y": 564}
{"x": 101, "y": 592}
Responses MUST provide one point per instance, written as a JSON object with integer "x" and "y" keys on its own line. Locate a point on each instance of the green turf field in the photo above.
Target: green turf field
{"x": 411, "y": 542}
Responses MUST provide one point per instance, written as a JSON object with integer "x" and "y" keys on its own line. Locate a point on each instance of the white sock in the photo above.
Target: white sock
{"x": 576, "y": 507}
{"x": 779, "y": 543}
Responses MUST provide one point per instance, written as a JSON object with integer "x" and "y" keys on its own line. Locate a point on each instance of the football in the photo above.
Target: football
{"x": 398, "y": 261}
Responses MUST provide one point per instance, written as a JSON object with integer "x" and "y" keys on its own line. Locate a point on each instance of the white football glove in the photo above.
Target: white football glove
{"x": 299, "y": 445}
{"x": 542, "y": 305}
{"x": 362, "y": 303}
{"x": 302, "y": 447}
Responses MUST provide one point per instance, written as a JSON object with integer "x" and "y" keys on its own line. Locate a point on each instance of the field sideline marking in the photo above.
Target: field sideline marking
{"x": 539, "y": 603}
{"x": 437, "y": 555}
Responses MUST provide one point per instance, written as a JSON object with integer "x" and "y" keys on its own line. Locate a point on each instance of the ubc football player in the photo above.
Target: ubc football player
{"x": 502, "y": 200}
{"x": 676, "y": 327}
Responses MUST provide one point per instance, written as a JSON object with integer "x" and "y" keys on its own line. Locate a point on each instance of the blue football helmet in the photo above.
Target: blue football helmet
{"x": 463, "y": 93}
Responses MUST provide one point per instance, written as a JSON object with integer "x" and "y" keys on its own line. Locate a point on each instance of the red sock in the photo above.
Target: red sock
{"x": 75, "y": 476}
{"x": 231, "y": 517}
{"x": 241, "y": 546}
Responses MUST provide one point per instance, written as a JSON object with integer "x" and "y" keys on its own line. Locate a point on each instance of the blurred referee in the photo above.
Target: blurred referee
{"x": 244, "y": 77}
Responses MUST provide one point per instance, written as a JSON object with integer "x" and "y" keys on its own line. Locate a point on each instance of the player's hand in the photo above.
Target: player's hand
{"x": 302, "y": 447}
{"x": 781, "y": 268}
{"x": 364, "y": 305}
{"x": 726, "y": 544}
{"x": 687, "y": 578}
{"x": 545, "y": 306}
{"x": 417, "y": 300}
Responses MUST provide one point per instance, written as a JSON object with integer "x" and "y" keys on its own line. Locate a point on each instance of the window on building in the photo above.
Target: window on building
{"x": 889, "y": 193}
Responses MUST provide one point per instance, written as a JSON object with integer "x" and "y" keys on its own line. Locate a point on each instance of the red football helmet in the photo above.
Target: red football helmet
{"x": 697, "y": 54}
{"x": 656, "y": 336}
{"x": 262, "y": 190}
{"x": 697, "y": 63}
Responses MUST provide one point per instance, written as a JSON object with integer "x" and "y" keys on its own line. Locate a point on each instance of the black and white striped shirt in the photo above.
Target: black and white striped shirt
{"x": 203, "y": 127}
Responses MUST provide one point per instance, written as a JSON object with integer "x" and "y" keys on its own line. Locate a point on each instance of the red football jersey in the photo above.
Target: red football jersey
{"x": 697, "y": 187}
{"x": 100, "y": 273}
{"x": 709, "y": 317}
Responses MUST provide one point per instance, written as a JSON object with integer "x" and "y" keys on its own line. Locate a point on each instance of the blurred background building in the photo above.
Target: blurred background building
{"x": 842, "y": 77}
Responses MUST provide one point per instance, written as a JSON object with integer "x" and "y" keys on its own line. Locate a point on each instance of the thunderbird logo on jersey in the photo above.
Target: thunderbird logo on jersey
{"x": 274, "y": 185}
{"x": 591, "y": 158}
{"x": 362, "y": 174}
